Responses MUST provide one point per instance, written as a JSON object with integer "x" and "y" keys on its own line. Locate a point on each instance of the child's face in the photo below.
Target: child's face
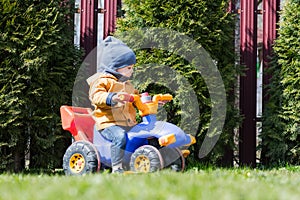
{"x": 126, "y": 71}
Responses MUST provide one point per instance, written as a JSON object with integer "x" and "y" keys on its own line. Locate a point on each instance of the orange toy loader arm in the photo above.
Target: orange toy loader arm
{"x": 162, "y": 97}
{"x": 149, "y": 107}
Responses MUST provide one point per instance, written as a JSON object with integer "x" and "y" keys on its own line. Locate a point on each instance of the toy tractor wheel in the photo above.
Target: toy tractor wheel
{"x": 81, "y": 158}
{"x": 145, "y": 159}
{"x": 173, "y": 158}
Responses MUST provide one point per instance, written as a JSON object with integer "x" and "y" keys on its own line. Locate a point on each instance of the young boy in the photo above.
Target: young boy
{"x": 112, "y": 116}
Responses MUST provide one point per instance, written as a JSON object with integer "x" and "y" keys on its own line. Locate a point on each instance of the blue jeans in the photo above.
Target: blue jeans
{"x": 117, "y": 136}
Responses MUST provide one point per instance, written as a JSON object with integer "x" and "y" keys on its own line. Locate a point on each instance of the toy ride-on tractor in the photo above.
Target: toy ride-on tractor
{"x": 151, "y": 145}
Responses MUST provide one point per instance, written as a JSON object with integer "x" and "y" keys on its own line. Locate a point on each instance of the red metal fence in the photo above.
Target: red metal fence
{"x": 248, "y": 51}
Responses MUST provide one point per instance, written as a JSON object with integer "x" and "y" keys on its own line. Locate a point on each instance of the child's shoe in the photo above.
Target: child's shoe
{"x": 119, "y": 171}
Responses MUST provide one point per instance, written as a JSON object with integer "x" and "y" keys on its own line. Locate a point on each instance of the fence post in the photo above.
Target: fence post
{"x": 248, "y": 52}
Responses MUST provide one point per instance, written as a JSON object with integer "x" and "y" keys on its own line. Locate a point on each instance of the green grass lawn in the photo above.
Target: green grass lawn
{"x": 195, "y": 184}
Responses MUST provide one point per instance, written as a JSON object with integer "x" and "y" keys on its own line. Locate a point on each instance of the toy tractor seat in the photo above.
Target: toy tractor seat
{"x": 78, "y": 121}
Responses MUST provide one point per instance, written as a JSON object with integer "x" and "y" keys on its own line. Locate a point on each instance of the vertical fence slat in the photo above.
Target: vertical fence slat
{"x": 248, "y": 48}
{"x": 110, "y": 17}
{"x": 88, "y": 28}
{"x": 270, "y": 19}
{"x": 88, "y": 40}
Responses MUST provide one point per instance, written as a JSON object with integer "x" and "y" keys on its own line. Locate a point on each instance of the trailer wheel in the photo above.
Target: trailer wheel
{"x": 179, "y": 164}
{"x": 81, "y": 158}
{"x": 146, "y": 159}
{"x": 173, "y": 159}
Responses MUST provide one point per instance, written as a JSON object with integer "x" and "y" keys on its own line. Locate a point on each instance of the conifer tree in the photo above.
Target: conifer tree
{"x": 38, "y": 65}
{"x": 281, "y": 124}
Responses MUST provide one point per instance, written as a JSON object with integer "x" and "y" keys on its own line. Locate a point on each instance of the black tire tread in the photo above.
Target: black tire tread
{"x": 89, "y": 154}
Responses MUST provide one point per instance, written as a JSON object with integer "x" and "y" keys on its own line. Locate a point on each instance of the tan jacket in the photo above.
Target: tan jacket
{"x": 121, "y": 114}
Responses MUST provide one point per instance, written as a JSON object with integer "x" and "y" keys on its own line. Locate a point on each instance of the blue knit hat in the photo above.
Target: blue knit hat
{"x": 115, "y": 54}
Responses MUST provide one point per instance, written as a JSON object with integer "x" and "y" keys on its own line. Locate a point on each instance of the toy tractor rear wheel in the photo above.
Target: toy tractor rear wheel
{"x": 81, "y": 158}
{"x": 145, "y": 159}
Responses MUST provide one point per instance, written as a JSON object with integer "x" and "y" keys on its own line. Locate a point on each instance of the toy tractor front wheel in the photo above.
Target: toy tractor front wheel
{"x": 81, "y": 158}
{"x": 145, "y": 159}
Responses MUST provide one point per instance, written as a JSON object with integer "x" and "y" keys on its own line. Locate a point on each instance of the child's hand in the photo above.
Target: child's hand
{"x": 121, "y": 97}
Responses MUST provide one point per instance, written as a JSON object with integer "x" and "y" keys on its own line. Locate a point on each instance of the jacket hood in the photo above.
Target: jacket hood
{"x": 97, "y": 75}
{"x": 115, "y": 54}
